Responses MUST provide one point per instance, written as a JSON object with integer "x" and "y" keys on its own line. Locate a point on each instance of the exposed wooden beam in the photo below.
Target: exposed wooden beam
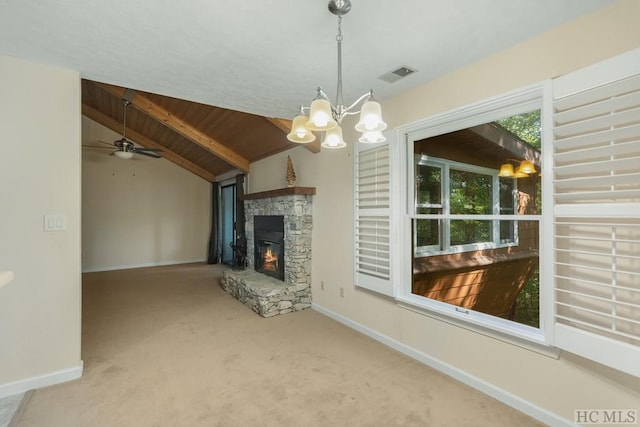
{"x": 116, "y": 126}
{"x": 282, "y": 124}
{"x": 144, "y": 104}
{"x": 285, "y": 126}
{"x": 313, "y": 146}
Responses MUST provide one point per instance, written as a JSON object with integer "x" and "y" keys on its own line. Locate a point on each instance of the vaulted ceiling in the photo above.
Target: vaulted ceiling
{"x": 206, "y": 140}
{"x": 214, "y": 83}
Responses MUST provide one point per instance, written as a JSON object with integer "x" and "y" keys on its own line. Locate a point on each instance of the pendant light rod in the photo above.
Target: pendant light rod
{"x": 124, "y": 120}
{"x": 339, "y": 102}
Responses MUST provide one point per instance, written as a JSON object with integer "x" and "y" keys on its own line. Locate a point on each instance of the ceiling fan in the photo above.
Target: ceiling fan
{"x": 125, "y": 149}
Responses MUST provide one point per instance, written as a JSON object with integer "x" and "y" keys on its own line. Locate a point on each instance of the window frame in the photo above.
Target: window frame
{"x": 444, "y": 247}
{"x": 536, "y": 96}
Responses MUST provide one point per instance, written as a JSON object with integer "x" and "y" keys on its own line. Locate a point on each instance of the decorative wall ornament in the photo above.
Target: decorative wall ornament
{"x": 291, "y": 174}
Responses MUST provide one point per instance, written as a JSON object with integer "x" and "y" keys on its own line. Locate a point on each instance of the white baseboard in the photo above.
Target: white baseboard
{"x": 53, "y": 378}
{"x": 516, "y": 402}
{"x": 143, "y": 265}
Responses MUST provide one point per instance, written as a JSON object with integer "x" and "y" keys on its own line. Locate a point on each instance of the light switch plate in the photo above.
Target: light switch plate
{"x": 55, "y": 223}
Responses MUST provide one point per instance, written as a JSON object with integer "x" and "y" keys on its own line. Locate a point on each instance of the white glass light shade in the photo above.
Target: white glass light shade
{"x": 320, "y": 118}
{"x": 372, "y": 137}
{"x": 506, "y": 171}
{"x": 333, "y": 138}
{"x": 371, "y": 118}
{"x": 299, "y": 133}
{"x": 124, "y": 155}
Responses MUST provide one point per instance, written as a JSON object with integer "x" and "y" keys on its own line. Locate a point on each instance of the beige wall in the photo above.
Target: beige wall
{"x": 587, "y": 40}
{"x": 39, "y": 175}
{"x": 139, "y": 212}
{"x": 554, "y": 386}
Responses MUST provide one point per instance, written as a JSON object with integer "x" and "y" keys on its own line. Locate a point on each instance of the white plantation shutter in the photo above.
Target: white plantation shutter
{"x": 596, "y": 163}
{"x": 373, "y": 218}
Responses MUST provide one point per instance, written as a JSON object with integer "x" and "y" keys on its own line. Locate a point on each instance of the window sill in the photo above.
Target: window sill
{"x": 515, "y": 334}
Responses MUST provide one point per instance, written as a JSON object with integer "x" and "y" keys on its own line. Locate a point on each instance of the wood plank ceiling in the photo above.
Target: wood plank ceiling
{"x": 208, "y": 141}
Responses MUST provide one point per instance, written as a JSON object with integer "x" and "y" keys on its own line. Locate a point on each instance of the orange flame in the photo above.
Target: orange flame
{"x": 270, "y": 261}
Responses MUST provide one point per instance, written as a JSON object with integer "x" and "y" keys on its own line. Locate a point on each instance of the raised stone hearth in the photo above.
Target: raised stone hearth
{"x": 266, "y": 295}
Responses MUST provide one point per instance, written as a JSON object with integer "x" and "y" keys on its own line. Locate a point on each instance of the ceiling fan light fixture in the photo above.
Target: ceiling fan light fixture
{"x": 125, "y": 148}
{"x": 124, "y": 155}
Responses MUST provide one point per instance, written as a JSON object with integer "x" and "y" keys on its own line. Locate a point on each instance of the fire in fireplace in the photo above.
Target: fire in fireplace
{"x": 268, "y": 232}
{"x": 270, "y": 259}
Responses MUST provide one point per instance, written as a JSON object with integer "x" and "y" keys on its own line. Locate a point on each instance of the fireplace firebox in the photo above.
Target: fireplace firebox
{"x": 269, "y": 245}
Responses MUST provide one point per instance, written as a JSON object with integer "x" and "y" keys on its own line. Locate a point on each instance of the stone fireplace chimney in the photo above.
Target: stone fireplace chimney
{"x": 261, "y": 290}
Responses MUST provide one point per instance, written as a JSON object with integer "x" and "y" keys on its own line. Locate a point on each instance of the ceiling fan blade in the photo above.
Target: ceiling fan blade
{"x": 106, "y": 143}
{"x": 147, "y": 149}
{"x": 155, "y": 156}
{"x": 98, "y": 146}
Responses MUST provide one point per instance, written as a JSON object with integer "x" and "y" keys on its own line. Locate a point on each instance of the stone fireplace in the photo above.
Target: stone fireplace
{"x": 261, "y": 287}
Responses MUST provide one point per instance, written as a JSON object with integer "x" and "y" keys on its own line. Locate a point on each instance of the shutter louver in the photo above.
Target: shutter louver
{"x": 372, "y": 223}
{"x": 596, "y": 156}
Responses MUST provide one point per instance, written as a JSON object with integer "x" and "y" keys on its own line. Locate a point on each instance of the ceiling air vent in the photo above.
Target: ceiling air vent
{"x": 395, "y": 75}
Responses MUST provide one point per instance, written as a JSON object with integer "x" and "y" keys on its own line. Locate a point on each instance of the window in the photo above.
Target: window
{"x": 228, "y": 222}
{"x": 458, "y": 207}
{"x": 474, "y": 230}
{"x": 568, "y": 241}
{"x": 476, "y": 233}
{"x": 442, "y": 229}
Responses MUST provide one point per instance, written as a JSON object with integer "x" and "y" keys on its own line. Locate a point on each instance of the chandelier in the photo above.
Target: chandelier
{"x": 327, "y": 117}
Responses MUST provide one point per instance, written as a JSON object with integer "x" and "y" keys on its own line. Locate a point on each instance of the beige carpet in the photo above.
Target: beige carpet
{"x": 166, "y": 346}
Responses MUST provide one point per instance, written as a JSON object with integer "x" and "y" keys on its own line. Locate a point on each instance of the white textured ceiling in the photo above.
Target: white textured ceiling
{"x": 267, "y": 57}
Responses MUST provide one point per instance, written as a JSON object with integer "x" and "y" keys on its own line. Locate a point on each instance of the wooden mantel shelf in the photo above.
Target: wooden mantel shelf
{"x": 289, "y": 191}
